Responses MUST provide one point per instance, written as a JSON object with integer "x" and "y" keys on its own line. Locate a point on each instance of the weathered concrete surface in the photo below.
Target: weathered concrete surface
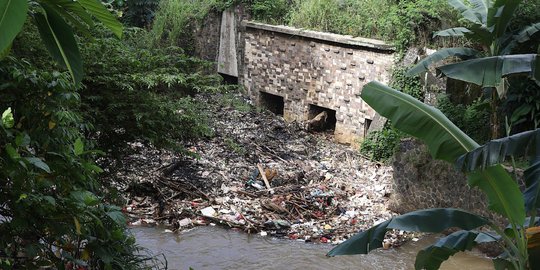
{"x": 227, "y": 60}
{"x": 314, "y": 68}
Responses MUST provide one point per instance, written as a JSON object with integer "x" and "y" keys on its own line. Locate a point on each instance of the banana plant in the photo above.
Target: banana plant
{"x": 447, "y": 142}
{"x": 51, "y": 18}
{"x": 488, "y": 22}
{"x": 487, "y": 25}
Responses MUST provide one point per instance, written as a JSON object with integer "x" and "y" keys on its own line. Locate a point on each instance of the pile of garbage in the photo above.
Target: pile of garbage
{"x": 261, "y": 175}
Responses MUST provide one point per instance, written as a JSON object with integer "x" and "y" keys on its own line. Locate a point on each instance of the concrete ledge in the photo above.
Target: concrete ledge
{"x": 329, "y": 37}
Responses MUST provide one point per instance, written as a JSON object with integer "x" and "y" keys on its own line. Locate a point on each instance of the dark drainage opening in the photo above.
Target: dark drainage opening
{"x": 228, "y": 79}
{"x": 321, "y": 118}
{"x": 273, "y": 103}
{"x": 367, "y": 124}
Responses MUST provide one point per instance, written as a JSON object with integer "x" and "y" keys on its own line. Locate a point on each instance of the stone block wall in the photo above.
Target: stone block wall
{"x": 313, "y": 68}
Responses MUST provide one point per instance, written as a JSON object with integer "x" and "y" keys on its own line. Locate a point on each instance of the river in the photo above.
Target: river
{"x": 217, "y": 248}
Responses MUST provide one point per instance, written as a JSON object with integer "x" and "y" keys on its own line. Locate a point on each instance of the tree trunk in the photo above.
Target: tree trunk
{"x": 494, "y": 118}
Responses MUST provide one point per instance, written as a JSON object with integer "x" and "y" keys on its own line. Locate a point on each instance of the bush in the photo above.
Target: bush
{"x": 473, "y": 119}
{"x": 270, "y": 11}
{"x": 174, "y": 19}
{"x": 381, "y": 145}
{"x": 402, "y": 22}
{"x": 144, "y": 94}
{"x": 52, "y": 207}
{"x": 406, "y": 84}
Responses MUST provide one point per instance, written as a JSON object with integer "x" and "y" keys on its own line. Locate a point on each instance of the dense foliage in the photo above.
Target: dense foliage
{"x": 488, "y": 26}
{"x": 52, "y": 207}
{"x": 54, "y": 210}
{"x": 139, "y": 93}
{"x": 380, "y": 145}
{"x": 402, "y": 22}
{"x": 175, "y": 19}
{"x": 473, "y": 119}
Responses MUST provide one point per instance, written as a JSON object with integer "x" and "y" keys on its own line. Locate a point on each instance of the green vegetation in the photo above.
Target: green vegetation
{"x": 400, "y": 22}
{"x": 381, "y": 145}
{"x": 490, "y": 30}
{"x": 446, "y": 141}
{"x": 55, "y": 210}
{"x": 473, "y": 119}
{"x": 271, "y": 11}
{"x": 175, "y": 18}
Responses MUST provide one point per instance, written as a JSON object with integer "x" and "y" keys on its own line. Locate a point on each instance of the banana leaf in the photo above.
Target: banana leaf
{"x": 532, "y": 183}
{"x": 462, "y": 53}
{"x": 99, "y": 11}
{"x": 474, "y": 16}
{"x": 433, "y": 220}
{"x": 433, "y": 256}
{"x": 489, "y": 71}
{"x": 12, "y": 17}
{"x": 500, "y": 14}
{"x": 447, "y": 142}
{"x": 526, "y": 34}
{"x": 59, "y": 40}
{"x": 496, "y": 151}
{"x": 452, "y": 32}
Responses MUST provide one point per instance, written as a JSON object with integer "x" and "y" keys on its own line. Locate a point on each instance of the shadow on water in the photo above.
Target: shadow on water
{"x": 216, "y": 248}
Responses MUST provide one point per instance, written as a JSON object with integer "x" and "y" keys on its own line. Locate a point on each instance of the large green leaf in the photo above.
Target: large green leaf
{"x": 433, "y": 220}
{"x": 467, "y": 12}
{"x": 462, "y": 53}
{"x": 526, "y": 34}
{"x": 447, "y": 142}
{"x": 433, "y": 256}
{"x": 496, "y": 151}
{"x": 532, "y": 182}
{"x": 500, "y": 14}
{"x": 58, "y": 37}
{"x": 504, "y": 196}
{"x": 444, "y": 139}
{"x": 66, "y": 10}
{"x": 452, "y": 32}
{"x": 99, "y": 11}
{"x": 489, "y": 71}
{"x": 75, "y": 8}
{"x": 12, "y": 17}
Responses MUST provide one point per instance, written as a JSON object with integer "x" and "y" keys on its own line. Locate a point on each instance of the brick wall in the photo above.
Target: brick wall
{"x": 322, "y": 69}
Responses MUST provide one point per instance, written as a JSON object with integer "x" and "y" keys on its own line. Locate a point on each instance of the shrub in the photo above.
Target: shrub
{"x": 406, "y": 84}
{"x": 402, "y": 22}
{"x": 174, "y": 19}
{"x": 143, "y": 94}
{"x": 52, "y": 207}
{"x": 472, "y": 119}
{"x": 381, "y": 145}
{"x": 270, "y": 11}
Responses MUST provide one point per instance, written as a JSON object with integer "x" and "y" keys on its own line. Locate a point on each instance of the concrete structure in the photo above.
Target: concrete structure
{"x": 227, "y": 60}
{"x": 301, "y": 73}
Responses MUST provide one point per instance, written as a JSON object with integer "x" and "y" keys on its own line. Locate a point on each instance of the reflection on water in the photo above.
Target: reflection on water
{"x": 216, "y": 248}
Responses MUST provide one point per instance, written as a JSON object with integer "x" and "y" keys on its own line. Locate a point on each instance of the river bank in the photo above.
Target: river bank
{"x": 313, "y": 189}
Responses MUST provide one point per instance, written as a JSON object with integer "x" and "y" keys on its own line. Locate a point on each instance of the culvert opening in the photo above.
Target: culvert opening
{"x": 321, "y": 118}
{"x": 273, "y": 103}
{"x": 228, "y": 79}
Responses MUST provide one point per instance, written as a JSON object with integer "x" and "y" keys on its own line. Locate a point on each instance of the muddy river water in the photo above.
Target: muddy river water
{"x": 217, "y": 248}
